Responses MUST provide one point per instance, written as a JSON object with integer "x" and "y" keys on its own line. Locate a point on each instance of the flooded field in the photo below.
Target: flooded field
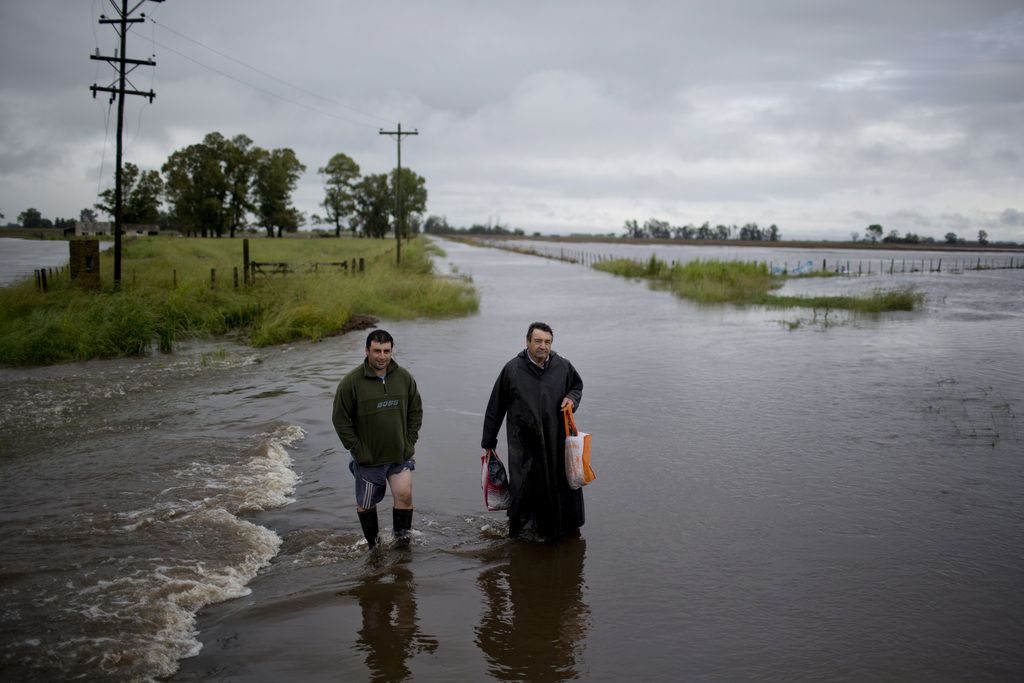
{"x": 837, "y": 499}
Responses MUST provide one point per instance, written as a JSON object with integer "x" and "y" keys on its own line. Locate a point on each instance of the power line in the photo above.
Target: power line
{"x": 399, "y": 214}
{"x": 117, "y": 89}
{"x": 268, "y": 75}
{"x": 103, "y": 152}
{"x": 264, "y": 91}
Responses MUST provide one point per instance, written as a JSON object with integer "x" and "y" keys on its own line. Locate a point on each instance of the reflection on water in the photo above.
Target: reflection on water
{"x": 535, "y": 620}
{"x": 844, "y": 500}
{"x": 391, "y": 632}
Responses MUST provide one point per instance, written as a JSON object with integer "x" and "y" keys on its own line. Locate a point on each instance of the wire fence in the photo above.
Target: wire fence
{"x": 859, "y": 267}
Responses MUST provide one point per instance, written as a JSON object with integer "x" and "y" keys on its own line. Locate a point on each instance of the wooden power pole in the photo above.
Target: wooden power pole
{"x": 117, "y": 89}
{"x": 400, "y": 217}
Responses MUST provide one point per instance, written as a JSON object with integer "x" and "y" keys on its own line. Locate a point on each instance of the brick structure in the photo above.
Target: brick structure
{"x": 84, "y": 263}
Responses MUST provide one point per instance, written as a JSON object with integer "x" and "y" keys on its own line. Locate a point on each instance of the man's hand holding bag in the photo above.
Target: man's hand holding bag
{"x": 577, "y": 453}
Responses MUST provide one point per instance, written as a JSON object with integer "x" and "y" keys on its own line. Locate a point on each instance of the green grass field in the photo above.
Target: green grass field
{"x": 749, "y": 283}
{"x": 167, "y": 295}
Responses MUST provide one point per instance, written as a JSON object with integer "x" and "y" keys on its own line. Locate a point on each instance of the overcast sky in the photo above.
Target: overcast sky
{"x": 819, "y": 116}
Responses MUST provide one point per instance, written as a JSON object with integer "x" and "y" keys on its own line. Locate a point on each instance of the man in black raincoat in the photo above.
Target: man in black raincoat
{"x": 530, "y": 392}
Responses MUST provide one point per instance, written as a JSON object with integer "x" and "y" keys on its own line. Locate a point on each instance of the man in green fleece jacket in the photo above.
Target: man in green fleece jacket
{"x": 377, "y": 414}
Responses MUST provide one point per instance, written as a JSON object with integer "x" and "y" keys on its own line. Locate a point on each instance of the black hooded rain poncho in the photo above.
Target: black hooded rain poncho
{"x": 530, "y": 398}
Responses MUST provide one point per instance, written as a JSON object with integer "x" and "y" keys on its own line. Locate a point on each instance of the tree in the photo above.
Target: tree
{"x": 141, "y": 192}
{"x": 773, "y": 233}
{"x": 751, "y": 232}
{"x": 685, "y": 232}
{"x": 88, "y": 215}
{"x": 210, "y": 185}
{"x": 373, "y": 202}
{"x": 277, "y": 174}
{"x": 196, "y": 187}
{"x": 413, "y": 197}
{"x": 340, "y": 177}
{"x": 874, "y": 232}
{"x": 951, "y": 238}
{"x": 982, "y": 237}
{"x": 633, "y": 229}
{"x": 657, "y": 228}
{"x": 142, "y": 203}
{"x": 240, "y": 161}
{"x": 32, "y": 218}
{"x": 437, "y": 225}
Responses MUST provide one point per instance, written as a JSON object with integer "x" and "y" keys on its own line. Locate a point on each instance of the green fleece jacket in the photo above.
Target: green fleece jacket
{"x": 378, "y": 418}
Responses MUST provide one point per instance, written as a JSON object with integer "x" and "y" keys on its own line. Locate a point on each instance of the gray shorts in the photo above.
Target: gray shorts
{"x": 371, "y": 480}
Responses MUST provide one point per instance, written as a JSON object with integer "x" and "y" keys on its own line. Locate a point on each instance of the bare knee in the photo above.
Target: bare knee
{"x": 401, "y": 489}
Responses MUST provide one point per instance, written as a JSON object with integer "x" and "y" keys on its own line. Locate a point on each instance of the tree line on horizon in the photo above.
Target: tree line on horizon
{"x": 654, "y": 228}
{"x": 874, "y": 233}
{"x": 214, "y": 187}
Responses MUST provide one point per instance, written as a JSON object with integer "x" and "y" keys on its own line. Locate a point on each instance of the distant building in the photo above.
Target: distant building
{"x": 97, "y": 228}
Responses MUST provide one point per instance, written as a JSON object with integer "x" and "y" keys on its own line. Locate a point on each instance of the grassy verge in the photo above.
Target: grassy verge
{"x": 743, "y": 282}
{"x": 167, "y": 295}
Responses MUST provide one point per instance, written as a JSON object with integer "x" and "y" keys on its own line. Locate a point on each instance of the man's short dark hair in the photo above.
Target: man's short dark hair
{"x": 381, "y": 337}
{"x": 543, "y": 327}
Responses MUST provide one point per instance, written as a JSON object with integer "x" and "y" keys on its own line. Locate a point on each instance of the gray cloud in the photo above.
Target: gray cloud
{"x": 573, "y": 116}
{"x": 1012, "y": 217}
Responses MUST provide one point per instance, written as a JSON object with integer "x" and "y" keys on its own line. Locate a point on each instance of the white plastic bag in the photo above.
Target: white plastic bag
{"x": 577, "y": 453}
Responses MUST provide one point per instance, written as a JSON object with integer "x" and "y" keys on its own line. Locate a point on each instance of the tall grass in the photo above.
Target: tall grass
{"x": 166, "y": 295}
{"x": 744, "y": 282}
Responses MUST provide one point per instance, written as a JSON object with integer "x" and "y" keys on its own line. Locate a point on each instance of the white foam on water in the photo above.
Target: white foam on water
{"x": 264, "y": 481}
{"x": 271, "y": 480}
{"x": 141, "y": 610}
{"x": 153, "y": 605}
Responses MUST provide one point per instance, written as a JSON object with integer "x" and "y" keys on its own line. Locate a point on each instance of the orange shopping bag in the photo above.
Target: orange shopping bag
{"x": 577, "y": 453}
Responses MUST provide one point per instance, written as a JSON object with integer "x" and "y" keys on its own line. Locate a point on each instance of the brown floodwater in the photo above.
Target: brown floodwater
{"x": 781, "y": 495}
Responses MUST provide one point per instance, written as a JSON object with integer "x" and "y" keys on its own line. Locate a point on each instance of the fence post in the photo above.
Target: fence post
{"x": 236, "y": 277}
{"x": 245, "y": 260}
{"x": 213, "y": 278}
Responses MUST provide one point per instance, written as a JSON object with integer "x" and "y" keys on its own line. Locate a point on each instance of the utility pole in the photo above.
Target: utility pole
{"x": 121, "y": 62}
{"x": 400, "y": 222}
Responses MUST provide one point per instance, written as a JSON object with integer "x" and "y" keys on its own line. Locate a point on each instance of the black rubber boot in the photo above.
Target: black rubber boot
{"x": 368, "y": 520}
{"x": 403, "y": 527}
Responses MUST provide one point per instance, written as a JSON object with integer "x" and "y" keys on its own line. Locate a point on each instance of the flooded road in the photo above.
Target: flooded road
{"x": 834, "y": 499}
